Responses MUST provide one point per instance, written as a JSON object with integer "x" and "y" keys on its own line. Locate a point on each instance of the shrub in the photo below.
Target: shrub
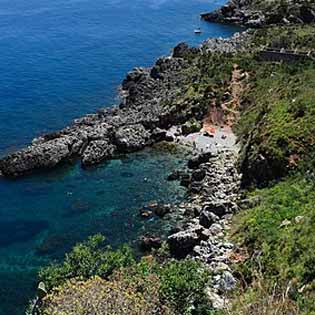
{"x": 87, "y": 259}
{"x": 183, "y": 284}
{"x": 101, "y": 297}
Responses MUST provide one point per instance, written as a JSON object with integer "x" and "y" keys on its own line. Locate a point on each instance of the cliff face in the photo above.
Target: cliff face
{"x": 257, "y": 13}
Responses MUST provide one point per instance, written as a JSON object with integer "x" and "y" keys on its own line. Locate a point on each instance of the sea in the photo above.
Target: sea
{"x": 60, "y": 60}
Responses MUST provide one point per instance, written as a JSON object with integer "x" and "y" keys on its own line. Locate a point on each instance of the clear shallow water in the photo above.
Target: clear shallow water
{"x": 42, "y": 216}
{"x": 59, "y": 60}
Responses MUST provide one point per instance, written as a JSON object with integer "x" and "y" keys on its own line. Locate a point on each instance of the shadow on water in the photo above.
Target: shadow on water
{"x": 20, "y": 230}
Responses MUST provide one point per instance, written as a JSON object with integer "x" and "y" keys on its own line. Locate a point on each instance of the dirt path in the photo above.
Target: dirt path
{"x": 227, "y": 113}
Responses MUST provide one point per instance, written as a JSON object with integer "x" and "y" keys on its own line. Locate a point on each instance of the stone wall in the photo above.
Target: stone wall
{"x": 267, "y": 55}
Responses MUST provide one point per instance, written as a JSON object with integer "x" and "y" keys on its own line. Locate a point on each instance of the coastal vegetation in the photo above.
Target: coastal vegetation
{"x": 277, "y": 236}
{"x": 113, "y": 282}
{"x": 272, "y": 111}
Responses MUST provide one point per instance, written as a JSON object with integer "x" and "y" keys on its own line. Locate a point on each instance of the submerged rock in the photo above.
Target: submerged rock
{"x": 14, "y": 231}
{"x": 162, "y": 210}
{"x": 148, "y": 243}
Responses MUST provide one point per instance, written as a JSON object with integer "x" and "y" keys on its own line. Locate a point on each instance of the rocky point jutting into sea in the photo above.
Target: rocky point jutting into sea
{"x": 153, "y": 110}
{"x": 253, "y": 13}
{"x": 148, "y": 109}
{"x": 197, "y": 98}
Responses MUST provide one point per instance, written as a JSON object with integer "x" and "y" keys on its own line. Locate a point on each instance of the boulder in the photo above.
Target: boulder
{"x": 183, "y": 242}
{"x": 131, "y": 138}
{"x": 198, "y": 175}
{"x": 185, "y": 180}
{"x": 97, "y": 151}
{"x": 199, "y": 159}
{"x": 148, "y": 243}
{"x": 219, "y": 207}
{"x": 207, "y": 218}
{"x": 180, "y": 50}
{"x": 162, "y": 210}
{"x": 159, "y": 135}
{"x": 133, "y": 77}
{"x": 145, "y": 213}
{"x": 227, "y": 281}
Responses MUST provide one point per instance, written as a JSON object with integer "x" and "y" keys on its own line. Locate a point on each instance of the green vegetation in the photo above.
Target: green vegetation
{"x": 104, "y": 297}
{"x": 87, "y": 259}
{"x": 183, "y": 284}
{"x": 277, "y": 269}
{"x": 276, "y": 10}
{"x": 278, "y": 121}
{"x": 279, "y": 238}
{"x": 290, "y": 37}
{"x": 115, "y": 283}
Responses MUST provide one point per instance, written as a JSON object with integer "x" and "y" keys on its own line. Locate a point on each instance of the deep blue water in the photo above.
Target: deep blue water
{"x": 61, "y": 59}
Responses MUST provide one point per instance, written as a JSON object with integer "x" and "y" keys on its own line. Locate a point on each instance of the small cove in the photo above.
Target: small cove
{"x": 61, "y": 60}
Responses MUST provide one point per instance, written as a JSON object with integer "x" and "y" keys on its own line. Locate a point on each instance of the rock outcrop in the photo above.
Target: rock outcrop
{"x": 254, "y": 13}
{"x": 149, "y": 106}
{"x": 138, "y": 121}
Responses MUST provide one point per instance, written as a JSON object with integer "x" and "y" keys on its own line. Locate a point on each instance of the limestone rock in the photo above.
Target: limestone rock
{"x": 131, "y": 138}
{"x": 97, "y": 151}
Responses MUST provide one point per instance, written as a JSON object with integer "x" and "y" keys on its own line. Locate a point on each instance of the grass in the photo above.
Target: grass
{"x": 279, "y": 238}
{"x": 291, "y": 37}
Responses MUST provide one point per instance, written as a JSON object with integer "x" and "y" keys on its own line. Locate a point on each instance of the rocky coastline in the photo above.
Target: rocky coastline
{"x": 149, "y": 108}
{"x": 197, "y": 227}
{"x": 205, "y": 218}
{"x": 253, "y": 13}
{"x": 149, "y": 113}
{"x": 153, "y": 110}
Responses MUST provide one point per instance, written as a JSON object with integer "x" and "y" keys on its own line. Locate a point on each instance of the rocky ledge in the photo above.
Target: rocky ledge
{"x": 149, "y": 107}
{"x": 140, "y": 120}
{"x": 254, "y": 13}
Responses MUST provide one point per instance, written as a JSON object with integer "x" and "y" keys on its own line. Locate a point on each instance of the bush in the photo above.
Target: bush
{"x": 118, "y": 285}
{"x": 101, "y": 297}
{"x": 87, "y": 259}
{"x": 183, "y": 285}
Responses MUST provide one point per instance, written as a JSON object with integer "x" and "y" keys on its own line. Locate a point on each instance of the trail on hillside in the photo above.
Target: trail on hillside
{"x": 226, "y": 113}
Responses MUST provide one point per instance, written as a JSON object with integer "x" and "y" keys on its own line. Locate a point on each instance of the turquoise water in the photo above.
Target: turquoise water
{"x": 59, "y": 60}
{"x": 42, "y": 216}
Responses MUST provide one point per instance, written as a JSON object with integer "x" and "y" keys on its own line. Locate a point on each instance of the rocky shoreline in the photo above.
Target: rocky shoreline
{"x": 135, "y": 123}
{"x": 148, "y": 112}
{"x": 201, "y": 222}
{"x": 148, "y": 109}
{"x": 197, "y": 227}
{"x": 252, "y": 13}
